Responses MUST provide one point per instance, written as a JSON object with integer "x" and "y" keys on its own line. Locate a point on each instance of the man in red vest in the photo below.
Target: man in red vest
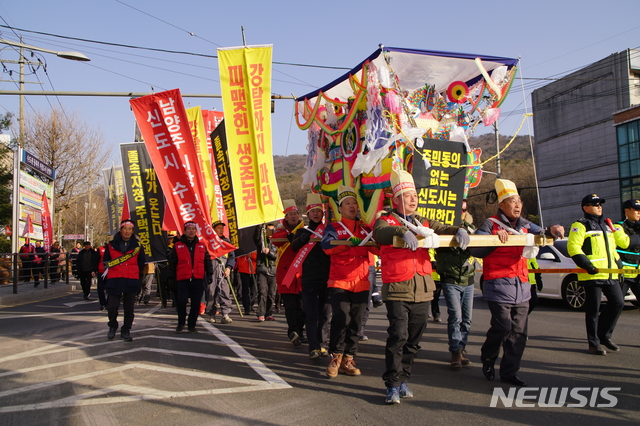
{"x": 124, "y": 260}
{"x": 407, "y": 286}
{"x": 189, "y": 267}
{"x": 506, "y": 287}
{"x": 289, "y": 285}
{"x": 348, "y": 282}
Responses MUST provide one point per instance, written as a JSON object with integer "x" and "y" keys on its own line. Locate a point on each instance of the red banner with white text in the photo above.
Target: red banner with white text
{"x": 165, "y": 128}
{"x": 46, "y": 223}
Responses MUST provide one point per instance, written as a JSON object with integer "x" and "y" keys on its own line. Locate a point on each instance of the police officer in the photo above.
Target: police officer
{"x": 592, "y": 245}
{"x": 631, "y": 255}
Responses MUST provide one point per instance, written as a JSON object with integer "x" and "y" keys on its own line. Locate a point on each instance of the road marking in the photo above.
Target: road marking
{"x": 81, "y": 302}
{"x": 269, "y": 381}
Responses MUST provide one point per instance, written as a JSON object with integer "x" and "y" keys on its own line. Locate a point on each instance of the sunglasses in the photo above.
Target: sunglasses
{"x": 593, "y": 205}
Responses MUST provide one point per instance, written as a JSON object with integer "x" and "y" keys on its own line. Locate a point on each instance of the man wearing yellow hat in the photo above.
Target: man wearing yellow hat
{"x": 314, "y": 263}
{"x": 289, "y": 285}
{"x": 506, "y": 285}
{"x": 348, "y": 282}
{"x": 407, "y": 284}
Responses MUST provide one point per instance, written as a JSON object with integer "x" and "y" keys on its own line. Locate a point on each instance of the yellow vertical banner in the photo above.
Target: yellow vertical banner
{"x": 245, "y": 80}
{"x": 196, "y": 125}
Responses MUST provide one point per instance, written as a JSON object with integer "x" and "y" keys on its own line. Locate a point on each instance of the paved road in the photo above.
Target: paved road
{"x": 58, "y": 368}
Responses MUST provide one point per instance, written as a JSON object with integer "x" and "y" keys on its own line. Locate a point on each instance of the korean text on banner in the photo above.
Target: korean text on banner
{"x": 164, "y": 125}
{"x": 46, "y": 222}
{"x": 212, "y": 120}
{"x": 196, "y": 125}
{"x": 245, "y": 80}
{"x": 441, "y": 186}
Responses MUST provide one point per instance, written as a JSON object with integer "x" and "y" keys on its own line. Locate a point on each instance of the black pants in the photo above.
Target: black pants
{"x": 435, "y": 306}
{"x": 38, "y": 270}
{"x": 128, "y": 300}
{"x": 267, "y": 289}
{"x": 294, "y": 313}
{"x": 189, "y": 289}
{"x": 407, "y": 322}
{"x": 634, "y": 285}
{"x": 25, "y": 271}
{"x": 347, "y": 310}
{"x": 101, "y": 286}
{"x": 509, "y": 331}
{"x": 318, "y": 314}
{"x": 54, "y": 274}
{"x": 533, "y": 302}
{"x": 85, "y": 282}
{"x": 249, "y": 291}
{"x": 600, "y": 327}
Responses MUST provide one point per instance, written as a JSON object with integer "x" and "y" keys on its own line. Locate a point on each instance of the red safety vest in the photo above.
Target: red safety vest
{"x": 400, "y": 264}
{"x": 351, "y": 265}
{"x": 101, "y": 267}
{"x": 185, "y": 270}
{"x": 128, "y": 269}
{"x": 505, "y": 262}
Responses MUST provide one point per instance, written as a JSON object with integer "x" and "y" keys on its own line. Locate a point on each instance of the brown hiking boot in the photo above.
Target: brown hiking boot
{"x": 334, "y": 365}
{"x": 463, "y": 359}
{"x": 348, "y": 366}
{"x": 456, "y": 359}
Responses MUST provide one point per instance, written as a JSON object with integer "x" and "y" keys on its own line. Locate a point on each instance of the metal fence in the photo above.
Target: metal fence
{"x": 38, "y": 268}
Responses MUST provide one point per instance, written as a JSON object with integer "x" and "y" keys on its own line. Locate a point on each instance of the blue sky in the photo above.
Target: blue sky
{"x": 551, "y": 37}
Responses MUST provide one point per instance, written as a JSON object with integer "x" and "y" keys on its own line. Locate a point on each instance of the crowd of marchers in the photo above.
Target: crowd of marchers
{"x": 322, "y": 274}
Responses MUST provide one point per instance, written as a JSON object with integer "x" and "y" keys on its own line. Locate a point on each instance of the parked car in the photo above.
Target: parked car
{"x": 563, "y": 286}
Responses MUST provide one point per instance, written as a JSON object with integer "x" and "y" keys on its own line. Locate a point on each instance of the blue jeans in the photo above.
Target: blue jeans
{"x": 460, "y": 307}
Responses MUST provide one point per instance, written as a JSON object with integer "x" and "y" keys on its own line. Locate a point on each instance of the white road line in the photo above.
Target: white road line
{"x": 81, "y": 302}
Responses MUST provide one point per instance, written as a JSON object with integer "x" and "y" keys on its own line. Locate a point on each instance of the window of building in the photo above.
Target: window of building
{"x": 628, "y": 137}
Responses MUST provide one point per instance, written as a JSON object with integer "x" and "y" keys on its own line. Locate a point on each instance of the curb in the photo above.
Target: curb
{"x": 35, "y": 294}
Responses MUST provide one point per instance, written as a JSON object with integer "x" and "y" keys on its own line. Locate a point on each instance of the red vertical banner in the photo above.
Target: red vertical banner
{"x": 46, "y": 222}
{"x": 165, "y": 128}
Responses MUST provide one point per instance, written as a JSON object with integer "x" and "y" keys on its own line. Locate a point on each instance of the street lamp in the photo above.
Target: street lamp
{"x": 16, "y": 157}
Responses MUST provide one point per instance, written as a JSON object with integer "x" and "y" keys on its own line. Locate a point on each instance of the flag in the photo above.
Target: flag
{"x": 46, "y": 223}
{"x": 245, "y": 80}
{"x": 28, "y": 227}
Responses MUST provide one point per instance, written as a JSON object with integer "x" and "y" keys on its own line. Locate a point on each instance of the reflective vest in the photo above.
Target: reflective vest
{"x": 101, "y": 267}
{"x": 184, "y": 269}
{"x": 128, "y": 269}
{"x": 401, "y": 264}
{"x": 505, "y": 262}
{"x": 598, "y": 242}
{"x": 353, "y": 264}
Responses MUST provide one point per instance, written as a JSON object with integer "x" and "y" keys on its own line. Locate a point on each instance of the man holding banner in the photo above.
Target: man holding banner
{"x": 124, "y": 261}
{"x": 219, "y": 289}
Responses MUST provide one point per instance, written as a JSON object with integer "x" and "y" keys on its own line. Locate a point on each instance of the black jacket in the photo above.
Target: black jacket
{"x": 94, "y": 259}
{"x": 315, "y": 268}
{"x": 266, "y": 262}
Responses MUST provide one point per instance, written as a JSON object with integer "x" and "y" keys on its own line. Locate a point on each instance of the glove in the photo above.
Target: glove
{"x": 355, "y": 241}
{"x": 591, "y": 270}
{"x": 425, "y": 231}
{"x": 304, "y": 237}
{"x": 411, "y": 240}
{"x": 462, "y": 237}
{"x": 539, "y": 285}
{"x": 432, "y": 241}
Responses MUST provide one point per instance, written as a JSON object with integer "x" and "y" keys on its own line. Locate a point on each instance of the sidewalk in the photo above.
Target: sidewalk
{"x": 28, "y": 293}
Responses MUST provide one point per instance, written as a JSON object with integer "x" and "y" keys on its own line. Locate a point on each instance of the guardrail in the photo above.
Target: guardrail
{"x": 22, "y": 267}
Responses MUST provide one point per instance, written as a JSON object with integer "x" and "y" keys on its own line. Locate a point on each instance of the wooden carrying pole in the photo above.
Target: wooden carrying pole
{"x": 450, "y": 241}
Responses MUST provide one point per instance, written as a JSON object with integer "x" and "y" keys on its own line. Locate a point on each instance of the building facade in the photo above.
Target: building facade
{"x": 577, "y": 140}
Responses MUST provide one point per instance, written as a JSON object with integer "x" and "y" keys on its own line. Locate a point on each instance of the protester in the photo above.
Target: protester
{"x": 54, "y": 262}
{"x": 289, "y": 285}
{"x": 506, "y": 285}
{"x": 315, "y": 273}
{"x": 124, "y": 261}
{"x": 246, "y": 266}
{"x": 266, "y": 270}
{"x": 27, "y": 253}
{"x": 631, "y": 255}
{"x": 189, "y": 267}
{"x": 348, "y": 281}
{"x": 87, "y": 267}
{"x": 102, "y": 297}
{"x": 219, "y": 290}
{"x": 407, "y": 285}
{"x": 74, "y": 258}
{"x": 39, "y": 261}
{"x": 592, "y": 246}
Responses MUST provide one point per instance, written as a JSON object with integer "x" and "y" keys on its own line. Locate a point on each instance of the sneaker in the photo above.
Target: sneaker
{"x": 203, "y": 307}
{"x": 192, "y": 329}
{"x": 377, "y": 303}
{"x": 456, "y": 361}
{"x": 437, "y": 319}
{"x": 314, "y": 354}
{"x": 179, "y": 328}
{"x": 348, "y": 366}
{"x": 211, "y": 320}
{"x": 261, "y": 318}
{"x": 112, "y": 333}
{"x": 126, "y": 336}
{"x": 334, "y": 365}
{"x": 405, "y": 392}
{"x": 226, "y": 319}
{"x": 270, "y": 318}
{"x": 324, "y": 352}
{"x": 363, "y": 338}
{"x": 295, "y": 339}
{"x": 393, "y": 395}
